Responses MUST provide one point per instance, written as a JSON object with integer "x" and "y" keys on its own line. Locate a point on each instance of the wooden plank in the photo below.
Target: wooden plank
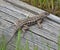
{"x": 5, "y": 33}
{"x": 51, "y": 27}
{"x": 4, "y": 24}
{"x": 31, "y": 44}
{"x": 46, "y": 31}
{"x": 39, "y": 40}
{"x": 8, "y": 32}
{"x": 11, "y": 19}
{"x": 20, "y": 11}
{"x": 17, "y": 12}
{"x": 54, "y": 26}
{"x": 2, "y": 31}
{"x": 10, "y": 47}
{"x": 32, "y": 9}
{"x": 7, "y": 29}
{"x": 23, "y": 5}
{"x": 12, "y": 12}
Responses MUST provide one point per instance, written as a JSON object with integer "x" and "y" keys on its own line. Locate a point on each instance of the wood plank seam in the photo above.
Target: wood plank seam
{"x": 43, "y": 36}
{"x": 10, "y": 15}
{"x": 12, "y": 10}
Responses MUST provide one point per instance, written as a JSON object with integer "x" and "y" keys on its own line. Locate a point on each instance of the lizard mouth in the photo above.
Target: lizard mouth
{"x": 46, "y": 13}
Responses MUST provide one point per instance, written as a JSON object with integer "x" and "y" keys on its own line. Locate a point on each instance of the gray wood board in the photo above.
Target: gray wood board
{"x": 49, "y": 28}
{"x": 49, "y": 32}
{"x": 4, "y": 25}
{"x": 32, "y": 9}
{"x": 34, "y": 27}
{"x": 43, "y": 24}
{"x": 31, "y": 44}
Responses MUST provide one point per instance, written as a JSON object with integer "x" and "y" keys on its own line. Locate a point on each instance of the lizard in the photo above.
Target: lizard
{"x": 37, "y": 19}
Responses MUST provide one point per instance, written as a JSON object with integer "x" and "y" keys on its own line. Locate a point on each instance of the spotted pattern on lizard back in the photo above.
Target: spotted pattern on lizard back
{"x": 38, "y": 19}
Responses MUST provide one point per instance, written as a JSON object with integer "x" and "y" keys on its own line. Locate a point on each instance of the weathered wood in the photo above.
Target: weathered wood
{"x": 32, "y": 9}
{"x": 6, "y": 34}
{"x": 39, "y": 40}
{"x": 16, "y": 12}
{"x": 54, "y": 32}
{"x": 5, "y": 29}
{"x": 10, "y": 47}
{"x": 47, "y": 34}
{"x": 23, "y": 6}
{"x": 4, "y": 24}
{"x": 46, "y": 31}
{"x": 12, "y": 12}
{"x": 31, "y": 44}
{"x": 11, "y": 19}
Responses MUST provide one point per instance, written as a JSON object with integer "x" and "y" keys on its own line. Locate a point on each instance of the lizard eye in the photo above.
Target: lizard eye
{"x": 46, "y": 13}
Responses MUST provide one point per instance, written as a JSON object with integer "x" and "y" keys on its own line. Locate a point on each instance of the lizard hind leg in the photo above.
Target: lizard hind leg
{"x": 24, "y": 29}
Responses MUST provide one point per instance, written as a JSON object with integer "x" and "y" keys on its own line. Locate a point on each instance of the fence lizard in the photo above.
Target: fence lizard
{"x": 38, "y": 19}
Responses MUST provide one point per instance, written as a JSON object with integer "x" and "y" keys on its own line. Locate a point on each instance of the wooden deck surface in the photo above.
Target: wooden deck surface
{"x": 13, "y": 10}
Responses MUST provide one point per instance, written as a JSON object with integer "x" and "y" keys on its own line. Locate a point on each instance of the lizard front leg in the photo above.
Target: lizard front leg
{"x": 39, "y": 23}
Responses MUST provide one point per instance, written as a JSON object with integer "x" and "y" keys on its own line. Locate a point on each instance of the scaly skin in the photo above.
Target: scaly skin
{"x": 38, "y": 19}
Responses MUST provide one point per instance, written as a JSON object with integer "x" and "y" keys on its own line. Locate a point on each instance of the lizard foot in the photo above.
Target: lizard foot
{"x": 39, "y": 23}
{"x": 24, "y": 29}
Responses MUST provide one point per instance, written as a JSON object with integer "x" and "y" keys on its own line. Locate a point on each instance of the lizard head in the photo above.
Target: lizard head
{"x": 44, "y": 14}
